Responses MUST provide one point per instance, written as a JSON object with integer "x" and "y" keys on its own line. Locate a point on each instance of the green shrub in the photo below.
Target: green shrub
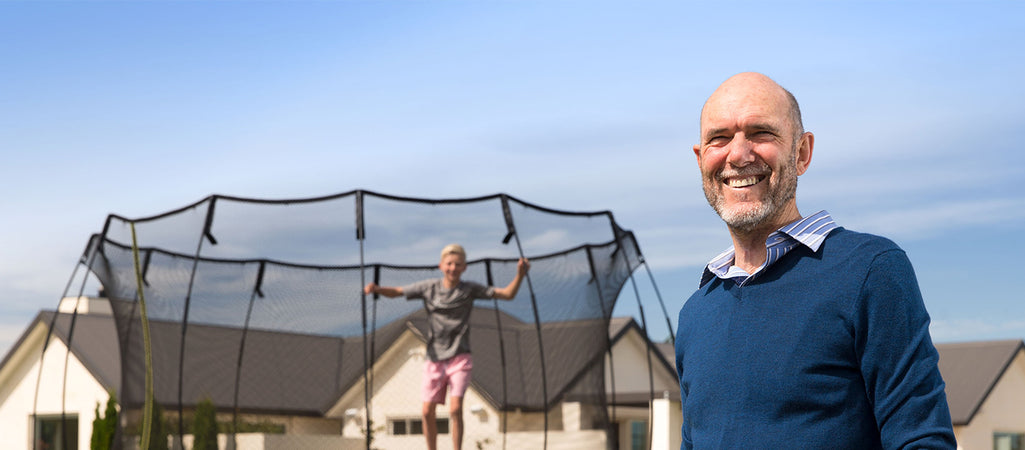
{"x": 204, "y": 426}
{"x": 105, "y": 426}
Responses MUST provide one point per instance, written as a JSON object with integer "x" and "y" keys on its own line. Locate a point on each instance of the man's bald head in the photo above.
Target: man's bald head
{"x": 743, "y": 85}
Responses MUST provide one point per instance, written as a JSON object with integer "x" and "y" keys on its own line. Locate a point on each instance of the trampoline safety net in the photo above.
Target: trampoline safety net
{"x": 257, "y": 306}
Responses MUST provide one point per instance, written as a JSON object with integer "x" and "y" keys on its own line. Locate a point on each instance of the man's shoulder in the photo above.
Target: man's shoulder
{"x": 843, "y": 240}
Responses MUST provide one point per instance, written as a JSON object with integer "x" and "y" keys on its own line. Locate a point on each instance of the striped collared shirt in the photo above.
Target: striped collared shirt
{"x": 810, "y": 231}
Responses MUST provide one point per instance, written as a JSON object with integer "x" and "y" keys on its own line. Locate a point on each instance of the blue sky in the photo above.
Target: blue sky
{"x": 136, "y": 108}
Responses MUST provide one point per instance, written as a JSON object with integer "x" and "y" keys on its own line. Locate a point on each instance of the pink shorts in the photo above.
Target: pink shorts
{"x": 454, "y": 371}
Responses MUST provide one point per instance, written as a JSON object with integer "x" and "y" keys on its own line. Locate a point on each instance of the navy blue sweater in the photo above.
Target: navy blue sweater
{"x": 829, "y": 349}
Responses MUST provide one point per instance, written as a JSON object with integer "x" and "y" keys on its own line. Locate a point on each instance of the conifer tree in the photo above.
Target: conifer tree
{"x": 105, "y": 426}
{"x": 204, "y": 426}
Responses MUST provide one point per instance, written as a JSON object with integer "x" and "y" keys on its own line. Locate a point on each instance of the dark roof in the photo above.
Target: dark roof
{"x": 101, "y": 361}
{"x": 301, "y": 374}
{"x": 971, "y": 370}
{"x": 95, "y": 343}
{"x": 281, "y": 373}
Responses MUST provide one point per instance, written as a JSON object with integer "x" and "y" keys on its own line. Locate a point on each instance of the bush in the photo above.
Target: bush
{"x": 204, "y": 426}
{"x": 105, "y": 426}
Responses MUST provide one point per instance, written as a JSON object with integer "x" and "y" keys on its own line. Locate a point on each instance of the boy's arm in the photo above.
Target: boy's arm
{"x": 387, "y": 291}
{"x": 509, "y": 292}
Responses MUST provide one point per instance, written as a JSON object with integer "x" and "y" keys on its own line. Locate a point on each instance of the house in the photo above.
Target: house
{"x": 87, "y": 378}
{"x": 306, "y": 387}
{"x": 985, "y": 392}
{"x": 985, "y": 386}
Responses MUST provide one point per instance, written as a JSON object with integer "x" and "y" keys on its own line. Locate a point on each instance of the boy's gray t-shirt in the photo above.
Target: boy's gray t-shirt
{"x": 448, "y": 314}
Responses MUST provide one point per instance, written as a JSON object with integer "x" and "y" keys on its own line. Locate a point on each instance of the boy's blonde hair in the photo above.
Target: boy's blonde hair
{"x": 453, "y": 249}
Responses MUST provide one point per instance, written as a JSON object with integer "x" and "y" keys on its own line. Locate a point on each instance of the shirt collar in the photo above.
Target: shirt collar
{"x": 809, "y": 231}
{"x": 812, "y": 230}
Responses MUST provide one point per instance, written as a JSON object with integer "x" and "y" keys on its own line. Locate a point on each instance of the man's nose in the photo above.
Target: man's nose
{"x": 741, "y": 151}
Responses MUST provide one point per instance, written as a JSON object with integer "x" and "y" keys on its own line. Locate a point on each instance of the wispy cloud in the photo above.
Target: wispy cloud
{"x": 934, "y": 219}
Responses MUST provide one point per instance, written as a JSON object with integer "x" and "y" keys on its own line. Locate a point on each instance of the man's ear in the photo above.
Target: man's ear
{"x": 804, "y": 150}
{"x": 697, "y": 153}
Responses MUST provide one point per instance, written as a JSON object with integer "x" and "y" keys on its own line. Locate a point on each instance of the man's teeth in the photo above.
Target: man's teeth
{"x": 741, "y": 182}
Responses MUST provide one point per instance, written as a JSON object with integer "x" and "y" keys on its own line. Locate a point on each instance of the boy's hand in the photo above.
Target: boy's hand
{"x": 370, "y": 288}
{"x": 523, "y": 266}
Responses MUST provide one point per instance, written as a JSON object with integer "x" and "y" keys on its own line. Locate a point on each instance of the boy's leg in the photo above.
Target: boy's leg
{"x": 434, "y": 384}
{"x": 430, "y": 425}
{"x": 455, "y": 421}
{"x": 458, "y": 371}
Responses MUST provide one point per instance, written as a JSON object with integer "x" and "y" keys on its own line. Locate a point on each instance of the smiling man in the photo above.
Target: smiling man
{"x": 803, "y": 334}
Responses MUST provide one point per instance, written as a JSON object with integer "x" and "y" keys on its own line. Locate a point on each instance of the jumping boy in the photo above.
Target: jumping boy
{"x": 449, "y": 301}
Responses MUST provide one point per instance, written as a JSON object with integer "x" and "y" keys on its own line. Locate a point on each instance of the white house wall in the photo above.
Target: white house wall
{"x": 667, "y": 421}
{"x": 397, "y": 394}
{"x": 81, "y": 394}
{"x": 1002, "y": 410}
{"x": 630, "y": 362}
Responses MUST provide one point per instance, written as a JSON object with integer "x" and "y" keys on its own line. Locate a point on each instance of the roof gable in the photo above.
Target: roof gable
{"x": 971, "y": 370}
{"x": 94, "y": 342}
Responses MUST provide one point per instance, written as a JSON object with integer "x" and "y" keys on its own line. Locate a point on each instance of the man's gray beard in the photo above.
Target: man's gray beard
{"x": 750, "y": 219}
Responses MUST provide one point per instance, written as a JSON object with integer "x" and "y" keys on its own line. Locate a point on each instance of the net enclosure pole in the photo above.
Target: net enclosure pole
{"x": 606, "y": 321}
{"x": 658, "y": 295}
{"x": 373, "y": 338}
{"x": 71, "y": 332}
{"x": 46, "y": 342}
{"x": 644, "y": 322}
{"x": 363, "y": 307}
{"x": 206, "y": 235}
{"x": 147, "y": 408}
{"x": 669, "y": 324}
{"x": 501, "y": 355}
{"x": 257, "y": 292}
{"x": 537, "y": 319}
{"x": 67, "y": 358}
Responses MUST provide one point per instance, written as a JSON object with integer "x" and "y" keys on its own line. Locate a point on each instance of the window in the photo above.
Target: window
{"x": 398, "y": 427}
{"x": 638, "y": 435}
{"x": 405, "y": 426}
{"x": 53, "y": 433}
{"x": 1008, "y": 441}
